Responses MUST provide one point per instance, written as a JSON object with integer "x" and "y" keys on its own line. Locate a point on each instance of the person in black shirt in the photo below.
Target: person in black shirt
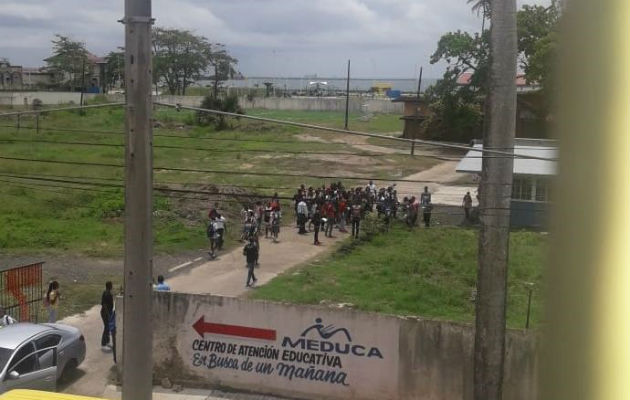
{"x": 107, "y": 307}
{"x": 251, "y": 253}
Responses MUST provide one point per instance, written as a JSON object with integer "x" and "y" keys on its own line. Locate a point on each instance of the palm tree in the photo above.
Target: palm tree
{"x": 481, "y": 7}
{"x": 495, "y": 189}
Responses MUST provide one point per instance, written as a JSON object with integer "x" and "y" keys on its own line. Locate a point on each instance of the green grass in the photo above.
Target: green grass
{"x": 52, "y": 218}
{"x": 424, "y": 272}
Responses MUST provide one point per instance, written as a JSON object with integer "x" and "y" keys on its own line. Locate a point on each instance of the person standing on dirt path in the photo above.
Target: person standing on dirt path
{"x": 316, "y": 218}
{"x": 425, "y": 202}
{"x": 214, "y": 211}
{"x": 355, "y": 212}
{"x": 161, "y": 286}
{"x": 250, "y": 251}
{"x": 467, "y": 204}
{"x": 52, "y": 301}
{"x": 302, "y": 214}
{"x": 107, "y": 308}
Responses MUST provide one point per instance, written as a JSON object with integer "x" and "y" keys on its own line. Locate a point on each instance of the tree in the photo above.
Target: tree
{"x": 537, "y": 38}
{"x": 495, "y": 194}
{"x": 68, "y": 62}
{"x": 212, "y": 102}
{"x": 180, "y": 58}
{"x": 223, "y": 65}
{"x": 115, "y": 69}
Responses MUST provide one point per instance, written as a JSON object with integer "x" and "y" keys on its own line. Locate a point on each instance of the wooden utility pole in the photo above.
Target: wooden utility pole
{"x": 496, "y": 190}
{"x": 137, "y": 325}
{"x": 345, "y": 125}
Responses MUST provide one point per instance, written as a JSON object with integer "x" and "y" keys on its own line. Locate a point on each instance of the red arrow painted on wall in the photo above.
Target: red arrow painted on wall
{"x": 202, "y": 327}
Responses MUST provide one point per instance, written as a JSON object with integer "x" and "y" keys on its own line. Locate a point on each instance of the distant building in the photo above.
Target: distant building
{"x": 531, "y": 188}
{"x": 10, "y": 75}
{"x": 522, "y": 85}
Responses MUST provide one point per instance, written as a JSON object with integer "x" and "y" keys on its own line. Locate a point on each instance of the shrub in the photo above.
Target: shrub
{"x": 227, "y": 104}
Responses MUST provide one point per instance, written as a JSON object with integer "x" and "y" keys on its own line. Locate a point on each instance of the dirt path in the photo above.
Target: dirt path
{"x": 225, "y": 276}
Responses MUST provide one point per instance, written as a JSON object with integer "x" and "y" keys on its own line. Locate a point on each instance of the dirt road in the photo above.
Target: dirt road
{"x": 225, "y": 276}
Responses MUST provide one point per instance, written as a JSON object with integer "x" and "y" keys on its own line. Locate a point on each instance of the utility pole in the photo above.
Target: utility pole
{"x": 345, "y": 125}
{"x": 417, "y": 121}
{"x": 82, "y": 83}
{"x": 137, "y": 325}
{"x": 495, "y": 191}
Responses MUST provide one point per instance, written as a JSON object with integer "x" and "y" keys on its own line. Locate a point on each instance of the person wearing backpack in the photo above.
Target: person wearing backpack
{"x": 250, "y": 251}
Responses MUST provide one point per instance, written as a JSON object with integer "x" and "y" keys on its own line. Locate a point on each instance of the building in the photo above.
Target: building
{"x": 10, "y": 75}
{"x": 522, "y": 85}
{"x": 415, "y": 111}
{"x": 531, "y": 187}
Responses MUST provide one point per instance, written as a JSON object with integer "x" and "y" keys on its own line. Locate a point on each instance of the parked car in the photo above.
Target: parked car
{"x": 36, "y": 356}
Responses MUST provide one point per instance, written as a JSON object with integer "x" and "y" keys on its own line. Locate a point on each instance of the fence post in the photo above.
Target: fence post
{"x": 37, "y": 122}
{"x": 413, "y": 147}
{"x": 18, "y": 120}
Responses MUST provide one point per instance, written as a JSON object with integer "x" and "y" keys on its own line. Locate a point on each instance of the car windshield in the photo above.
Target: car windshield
{"x": 5, "y": 354}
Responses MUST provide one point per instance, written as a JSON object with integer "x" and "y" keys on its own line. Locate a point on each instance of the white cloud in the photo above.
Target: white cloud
{"x": 270, "y": 37}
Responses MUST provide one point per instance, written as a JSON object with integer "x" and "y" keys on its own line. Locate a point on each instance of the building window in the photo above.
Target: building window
{"x": 542, "y": 190}
{"x": 522, "y": 189}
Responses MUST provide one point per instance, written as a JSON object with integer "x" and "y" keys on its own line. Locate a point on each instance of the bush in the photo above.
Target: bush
{"x": 227, "y": 104}
{"x": 37, "y": 104}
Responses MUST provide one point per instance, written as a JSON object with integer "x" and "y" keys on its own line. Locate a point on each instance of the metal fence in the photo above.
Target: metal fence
{"x": 21, "y": 291}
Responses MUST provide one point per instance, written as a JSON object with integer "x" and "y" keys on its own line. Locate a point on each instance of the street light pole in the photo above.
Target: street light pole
{"x": 137, "y": 325}
{"x": 345, "y": 125}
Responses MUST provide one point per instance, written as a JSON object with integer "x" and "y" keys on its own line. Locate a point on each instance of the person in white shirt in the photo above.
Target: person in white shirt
{"x": 302, "y": 212}
{"x": 5, "y": 319}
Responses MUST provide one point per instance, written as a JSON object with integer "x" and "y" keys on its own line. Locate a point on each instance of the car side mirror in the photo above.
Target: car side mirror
{"x": 14, "y": 375}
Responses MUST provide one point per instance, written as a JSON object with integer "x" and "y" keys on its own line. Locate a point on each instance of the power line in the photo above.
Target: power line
{"x": 210, "y": 171}
{"x": 349, "y": 132}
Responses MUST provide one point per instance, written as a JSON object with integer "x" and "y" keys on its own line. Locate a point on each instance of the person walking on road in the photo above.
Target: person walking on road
{"x": 107, "y": 308}
{"x": 302, "y": 215}
{"x": 467, "y": 204}
{"x": 425, "y": 202}
{"x": 250, "y": 251}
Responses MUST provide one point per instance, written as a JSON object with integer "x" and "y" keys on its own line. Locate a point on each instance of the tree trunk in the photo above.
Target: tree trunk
{"x": 495, "y": 194}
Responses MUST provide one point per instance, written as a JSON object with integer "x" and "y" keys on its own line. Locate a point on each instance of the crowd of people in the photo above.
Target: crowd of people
{"x": 318, "y": 209}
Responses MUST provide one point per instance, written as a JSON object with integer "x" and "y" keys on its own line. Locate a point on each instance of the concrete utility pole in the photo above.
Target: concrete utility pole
{"x": 495, "y": 194}
{"x": 345, "y": 125}
{"x": 137, "y": 326}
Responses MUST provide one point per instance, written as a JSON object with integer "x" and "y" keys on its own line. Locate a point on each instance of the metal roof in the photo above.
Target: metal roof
{"x": 522, "y": 166}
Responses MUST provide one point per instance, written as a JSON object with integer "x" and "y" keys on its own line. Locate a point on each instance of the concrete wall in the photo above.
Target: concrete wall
{"x": 389, "y": 357}
{"x": 26, "y": 98}
{"x": 357, "y": 104}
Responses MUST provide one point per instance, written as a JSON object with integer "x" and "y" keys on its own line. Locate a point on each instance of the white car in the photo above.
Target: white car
{"x": 35, "y": 356}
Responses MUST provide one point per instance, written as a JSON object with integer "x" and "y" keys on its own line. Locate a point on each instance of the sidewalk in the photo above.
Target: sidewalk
{"x": 224, "y": 275}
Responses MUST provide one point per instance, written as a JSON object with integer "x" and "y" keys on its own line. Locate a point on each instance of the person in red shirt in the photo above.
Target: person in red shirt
{"x": 342, "y": 206}
{"x": 329, "y": 212}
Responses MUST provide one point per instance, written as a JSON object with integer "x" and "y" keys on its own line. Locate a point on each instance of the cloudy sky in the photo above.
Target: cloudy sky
{"x": 383, "y": 38}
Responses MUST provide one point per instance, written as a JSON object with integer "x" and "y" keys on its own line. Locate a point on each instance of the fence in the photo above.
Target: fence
{"x": 21, "y": 291}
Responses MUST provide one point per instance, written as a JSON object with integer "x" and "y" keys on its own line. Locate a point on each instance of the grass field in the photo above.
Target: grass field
{"x": 424, "y": 272}
{"x": 44, "y": 215}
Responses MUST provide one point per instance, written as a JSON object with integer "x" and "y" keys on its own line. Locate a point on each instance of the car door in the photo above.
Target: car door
{"x": 46, "y": 354}
{"x": 24, "y": 371}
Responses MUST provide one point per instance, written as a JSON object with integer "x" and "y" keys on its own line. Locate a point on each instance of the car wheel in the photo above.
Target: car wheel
{"x": 68, "y": 369}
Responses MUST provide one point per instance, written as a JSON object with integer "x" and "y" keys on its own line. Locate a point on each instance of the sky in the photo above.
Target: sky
{"x": 288, "y": 38}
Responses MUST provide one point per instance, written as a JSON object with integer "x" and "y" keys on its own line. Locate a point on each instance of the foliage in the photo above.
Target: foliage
{"x": 212, "y": 102}
{"x": 458, "y": 110}
{"x": 537, "y": 40}
{"x": 115, "y": 69}
{"x": 181, "y": 57}
{"x": 68, "y": 61}
{"x": 414, "y": 272}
